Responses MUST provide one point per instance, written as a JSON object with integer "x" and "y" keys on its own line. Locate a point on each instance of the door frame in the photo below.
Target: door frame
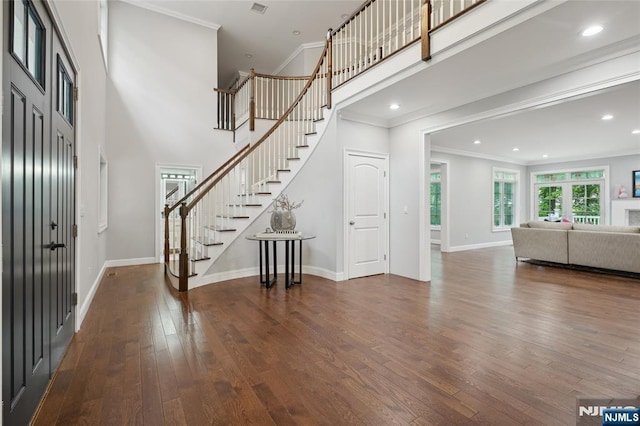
{"x": 159, "y": 223}
{"x": 345, "y": 205}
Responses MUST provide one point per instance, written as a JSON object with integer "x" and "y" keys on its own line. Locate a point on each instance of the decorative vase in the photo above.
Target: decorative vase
{"x": 283, "y": 220}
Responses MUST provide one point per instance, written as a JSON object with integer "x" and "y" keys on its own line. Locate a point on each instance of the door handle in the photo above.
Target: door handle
{"x": 352, "y": 222}
{"x": 54, "y": 246}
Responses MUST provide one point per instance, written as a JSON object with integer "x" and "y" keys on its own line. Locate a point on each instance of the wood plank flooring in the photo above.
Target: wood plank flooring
{"x": 485, "y": 342}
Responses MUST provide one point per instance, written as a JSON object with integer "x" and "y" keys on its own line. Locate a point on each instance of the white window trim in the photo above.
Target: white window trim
{"x": 436, "y": 227}
{"x": 606, "y": 194}
{"x": 516, "y": 204}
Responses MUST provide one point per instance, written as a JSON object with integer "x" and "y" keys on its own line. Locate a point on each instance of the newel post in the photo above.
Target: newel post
{"x": 425, "y": 27}
{"x": 183, "y": 283}
{"x": 166, "y": 236}
{"x": 329, "y": 66}
{"x": 252, "y": 100}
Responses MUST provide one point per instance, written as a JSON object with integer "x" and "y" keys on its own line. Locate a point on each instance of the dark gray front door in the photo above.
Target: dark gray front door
{"x": 37, "y": 211}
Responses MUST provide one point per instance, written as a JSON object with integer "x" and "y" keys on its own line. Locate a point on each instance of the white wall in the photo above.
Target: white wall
{"x": 404, "y": 187}
{"x": 320, "y": 185}
{"x": 80, "y": 23}
{"x": 160, "y": 109}
{"x": 471, "y": 201}
{"x": 302, "y": 61}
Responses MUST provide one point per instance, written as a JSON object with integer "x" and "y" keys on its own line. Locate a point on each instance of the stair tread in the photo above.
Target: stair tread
{"x": 220, "y": 228}
{"x": 200, "y": 259}
{"x": 206, "y": 243}
{"x": 246, "y": 205}
{"x": 311, "y": 133}
{"x": 274, "y": 181}
{"x": 229, "y": 216}
{"x": 284, "y": 170}
{"x": 246, "y": 194}
{"x": 293, "y": 158}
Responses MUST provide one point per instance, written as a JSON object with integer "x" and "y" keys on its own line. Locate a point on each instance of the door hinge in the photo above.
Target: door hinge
{"x": 75, "y": 162}
{"x": 385, "y": 257}
{"x": 75, "y": 230}
{"x": 74, "y": 298}
{"x": 75, "y": 93}
{"x": 385, "y": 215}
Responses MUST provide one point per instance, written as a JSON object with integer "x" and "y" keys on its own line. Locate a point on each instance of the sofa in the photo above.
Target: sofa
{"x": 598, "y": 246}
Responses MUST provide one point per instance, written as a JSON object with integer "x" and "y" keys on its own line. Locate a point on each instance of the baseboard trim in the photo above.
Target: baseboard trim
{"x": 130, "y": 262}
{"x": 480, "y": 246}
{"x": 84, "y": 308}
{"x": 255, "y": 271}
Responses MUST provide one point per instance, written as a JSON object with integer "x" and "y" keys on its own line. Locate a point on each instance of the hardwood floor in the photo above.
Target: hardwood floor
{"x": 485, "y": 342}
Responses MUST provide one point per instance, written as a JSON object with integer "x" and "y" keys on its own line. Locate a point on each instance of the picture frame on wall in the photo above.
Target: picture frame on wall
{"x": 635, "y": 183}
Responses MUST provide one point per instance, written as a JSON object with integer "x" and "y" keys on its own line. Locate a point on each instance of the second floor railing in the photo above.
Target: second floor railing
{"x": 373, "y": 33}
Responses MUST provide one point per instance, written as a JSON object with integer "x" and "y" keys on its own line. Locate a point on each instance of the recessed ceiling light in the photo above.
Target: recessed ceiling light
{"x": 248, "y": 55}
{"x": 607, "y": 117}
{"x": 476, "y": 142}
{"x": 636, "y": 132}
{"x": 545, "y": 155}
{"x": 394, "y": 106}
{"x": 295, "y": 32}
{"x": 516, "y": 149}
{"x": 258, "y": 8}
{"x": 592, "y": 30}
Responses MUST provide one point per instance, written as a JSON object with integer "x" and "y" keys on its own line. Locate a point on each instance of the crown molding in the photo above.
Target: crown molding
{"x": 296, "y": 52}
{"x": 363, "y": 119}
{"x": 463, "y": 153}
{"x": 173, "y": 14}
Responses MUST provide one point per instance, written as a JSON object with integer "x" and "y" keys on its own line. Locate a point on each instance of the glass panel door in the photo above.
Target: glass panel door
{"x": 550, "y": 202}
{"x": 586, "y": 203}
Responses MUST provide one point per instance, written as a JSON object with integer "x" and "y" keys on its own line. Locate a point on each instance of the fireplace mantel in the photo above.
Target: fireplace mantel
{"x": 620, "y": 210}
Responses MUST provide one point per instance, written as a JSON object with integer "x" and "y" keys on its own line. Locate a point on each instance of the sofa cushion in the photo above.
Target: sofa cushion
{"x": 606, "y": 228}
{"x": 538, "y": 224}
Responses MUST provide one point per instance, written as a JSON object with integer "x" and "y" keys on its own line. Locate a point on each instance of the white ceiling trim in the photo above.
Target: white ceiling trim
{"x": 173, "y": 14}
{"x": 363, "y": 119}
{"x": 445, "y": 150}
{"x": 583, "y": 157}
{"x": 295, "y": 53}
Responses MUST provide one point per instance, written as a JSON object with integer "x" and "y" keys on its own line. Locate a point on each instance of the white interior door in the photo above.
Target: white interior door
{"x": 366, "y": 214}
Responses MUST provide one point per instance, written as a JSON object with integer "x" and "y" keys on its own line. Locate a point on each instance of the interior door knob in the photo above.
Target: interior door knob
{"x": 54, "y": 246}
{"x": 352, "y": 222}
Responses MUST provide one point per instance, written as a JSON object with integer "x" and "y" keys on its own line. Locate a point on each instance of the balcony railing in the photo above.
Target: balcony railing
{"x": 374, "y": 32}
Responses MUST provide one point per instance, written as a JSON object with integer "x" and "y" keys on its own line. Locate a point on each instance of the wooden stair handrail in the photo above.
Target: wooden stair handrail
{"x": 268, "y": 133}
{"x": 201, "y": 184}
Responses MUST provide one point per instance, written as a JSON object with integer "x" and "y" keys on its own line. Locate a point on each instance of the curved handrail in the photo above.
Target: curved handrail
{"x": 208, "y": 178}
{"x": 269, "y": 132}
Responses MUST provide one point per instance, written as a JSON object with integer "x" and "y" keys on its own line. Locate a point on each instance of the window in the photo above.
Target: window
{"x": 65, "y": 93}
{"x": 436, "y": 200}
{"x": 27, "y": 41}
{"x": 505, "y": 188}
{"x": 574, "y": 195}
{"x": 103, "y": 191}
{"x": 103, "y": 35}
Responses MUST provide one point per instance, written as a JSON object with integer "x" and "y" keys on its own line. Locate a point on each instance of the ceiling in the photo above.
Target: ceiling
{"x": 267, "y": 37}
{"x": 540, "y": 48}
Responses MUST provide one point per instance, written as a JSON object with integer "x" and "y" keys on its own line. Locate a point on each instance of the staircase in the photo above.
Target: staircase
{"x": 201, "y": 225}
